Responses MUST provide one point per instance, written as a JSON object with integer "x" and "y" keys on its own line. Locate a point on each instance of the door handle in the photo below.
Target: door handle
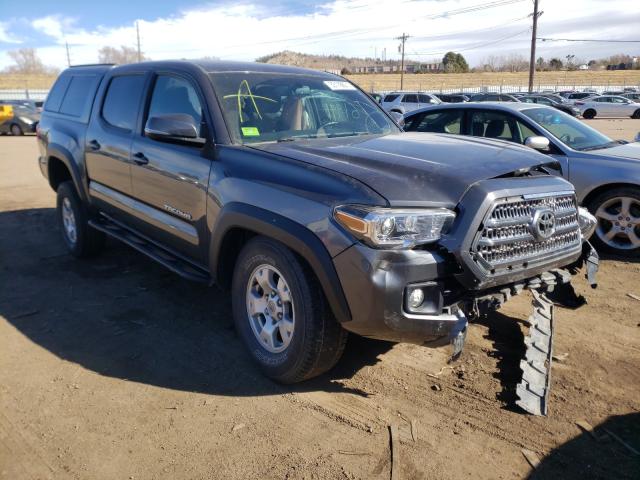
{"x": 140, "y": 158}
{"x": 94, "y": 145}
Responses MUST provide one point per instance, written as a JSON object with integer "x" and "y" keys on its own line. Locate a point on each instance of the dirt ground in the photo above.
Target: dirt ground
{"x": 115, "y": 368}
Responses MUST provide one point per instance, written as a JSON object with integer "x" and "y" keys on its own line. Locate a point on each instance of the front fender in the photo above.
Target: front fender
{"x": 295, "y": 236}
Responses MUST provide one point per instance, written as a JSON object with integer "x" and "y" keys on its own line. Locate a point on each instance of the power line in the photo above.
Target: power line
{"x": 480, "y": 45}
{"x": 546, "y": 39}
{"x": 483, "y": 29}
{"x": 341, "y": 34}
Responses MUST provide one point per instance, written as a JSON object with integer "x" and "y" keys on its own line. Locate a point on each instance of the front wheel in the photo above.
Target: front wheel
{"x": 636, "y": 114}
{"x": 589, "y": 114}
{"x": 281, "y": 314}
{"x": 16, "y": 130}
{"x": 81, "y": 239}
{"x": 618, "y": 215}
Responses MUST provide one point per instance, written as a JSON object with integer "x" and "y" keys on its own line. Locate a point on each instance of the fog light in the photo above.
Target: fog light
{"x": 416, "y": 297}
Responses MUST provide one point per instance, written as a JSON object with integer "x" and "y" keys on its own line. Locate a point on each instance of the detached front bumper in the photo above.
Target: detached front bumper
{"x": 376, "y": 284}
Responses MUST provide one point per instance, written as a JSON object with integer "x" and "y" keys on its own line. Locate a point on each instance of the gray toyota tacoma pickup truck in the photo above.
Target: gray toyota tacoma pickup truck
{"x": 303, "y": 197}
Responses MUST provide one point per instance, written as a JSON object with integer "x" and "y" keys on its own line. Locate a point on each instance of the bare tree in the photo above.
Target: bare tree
{"x": 120, "y": 55}
{"x": 27, "y": 61}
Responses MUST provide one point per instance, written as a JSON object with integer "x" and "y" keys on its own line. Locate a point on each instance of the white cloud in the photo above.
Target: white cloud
{"x": 5, "y": 36}
{"x": 352, "y": 27}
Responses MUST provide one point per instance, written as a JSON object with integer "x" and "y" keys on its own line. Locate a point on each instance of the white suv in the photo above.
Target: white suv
{"x": 404, "y": 102}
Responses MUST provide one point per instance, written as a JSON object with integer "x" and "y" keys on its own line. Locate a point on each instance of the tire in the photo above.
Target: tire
{"x": 616, "y": 206}
{"x": 316, "y": 340}
{"x": 589, "y": 114}
{"x": 636, "y": 114}
{"x": 81, "y": 239}
{"x": 16, "y": 130}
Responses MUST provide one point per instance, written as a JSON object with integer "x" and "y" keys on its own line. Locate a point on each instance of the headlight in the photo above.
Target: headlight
{"x": 394, "y": 227}
{"x": 26, "y": 120}
{"x": 587, "y": 222}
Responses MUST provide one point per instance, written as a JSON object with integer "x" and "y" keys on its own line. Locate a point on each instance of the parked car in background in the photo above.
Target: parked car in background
{"x": 22, "y": 120}
{"x": 608, "y": 106}
{"x": 635, "y": 97}
{"x": 605, "y": 172}
{"x": 452, "y": 97}
{"x": 376, "y": 96}
{"x": 551, "y": 102}
{"x": 493, "y": 97}
{"x": 613, "y": 92}
{"x": 404, "y": 102}
{"x": 576, "y": 96}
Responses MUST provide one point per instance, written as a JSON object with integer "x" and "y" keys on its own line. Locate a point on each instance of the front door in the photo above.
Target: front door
{"x": 171, "y": 179}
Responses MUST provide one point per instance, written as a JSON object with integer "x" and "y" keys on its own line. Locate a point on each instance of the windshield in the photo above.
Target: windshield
{"x": 264, "y": 107}
{"x": 573, "y": 133}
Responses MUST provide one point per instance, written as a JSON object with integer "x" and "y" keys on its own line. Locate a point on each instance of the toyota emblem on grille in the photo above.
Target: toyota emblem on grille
{"x": 543, "y": 224}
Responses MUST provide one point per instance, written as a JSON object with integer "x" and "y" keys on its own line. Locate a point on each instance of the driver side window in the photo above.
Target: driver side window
{"x": 175, "y": 95}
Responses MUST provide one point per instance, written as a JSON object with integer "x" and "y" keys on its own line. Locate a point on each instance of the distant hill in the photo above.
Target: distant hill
{"x": 321, "y": 62}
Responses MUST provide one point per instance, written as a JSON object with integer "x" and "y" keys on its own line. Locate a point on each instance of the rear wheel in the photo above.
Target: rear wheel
{"x": 588, "y": 114}
{"x": 618, "y": 215}
{"x": 16, "y": 130}
{"x": 81, "y": 239}
{"x": 636, "y": 114}
{"x": 281, "y": 314}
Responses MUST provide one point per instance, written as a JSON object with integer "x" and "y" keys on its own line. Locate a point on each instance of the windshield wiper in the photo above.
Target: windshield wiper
{"x": 599, "y": 147}
{"x": 348, "y": 134}
{"x": 294, "y": 138}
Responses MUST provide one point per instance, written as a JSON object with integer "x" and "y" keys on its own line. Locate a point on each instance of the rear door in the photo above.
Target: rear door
{"x": 109, "y": 137}
{"x": 410, "y": 102}
{"x": 171, "y": 179}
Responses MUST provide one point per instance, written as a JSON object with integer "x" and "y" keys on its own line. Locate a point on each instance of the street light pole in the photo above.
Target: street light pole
{"x": 403, "y": 39}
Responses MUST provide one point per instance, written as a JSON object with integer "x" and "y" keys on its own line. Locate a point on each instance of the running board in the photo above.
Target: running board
{"x": 533, "y": 390}
{"x": 161, "y": 255}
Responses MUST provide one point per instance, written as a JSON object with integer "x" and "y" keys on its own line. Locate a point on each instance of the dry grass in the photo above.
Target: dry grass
{"x": 15, "y": 80}
{"x": 433, "y": 81}
{"x": 421, "y": 81}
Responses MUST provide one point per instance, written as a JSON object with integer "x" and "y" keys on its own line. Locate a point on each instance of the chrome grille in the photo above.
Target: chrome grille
{"x": 508, "y": 236}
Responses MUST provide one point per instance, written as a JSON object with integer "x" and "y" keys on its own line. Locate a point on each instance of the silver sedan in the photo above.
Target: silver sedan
{"x": 605, "y": 172}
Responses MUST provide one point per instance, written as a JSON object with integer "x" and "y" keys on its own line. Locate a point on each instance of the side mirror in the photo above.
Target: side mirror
{"x": 537, "y": 143}
{"x": 176, "y": 126}
{"x": 399, "y": 118}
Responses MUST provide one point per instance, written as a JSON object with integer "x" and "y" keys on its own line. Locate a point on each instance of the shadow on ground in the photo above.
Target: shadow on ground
{"x": 586, "y": 457}
{"x": 122, "y": 315}
{"x": 508, "y": 349}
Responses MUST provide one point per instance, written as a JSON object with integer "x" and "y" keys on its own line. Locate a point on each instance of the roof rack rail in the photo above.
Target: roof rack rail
{"x": 93, "y": 65}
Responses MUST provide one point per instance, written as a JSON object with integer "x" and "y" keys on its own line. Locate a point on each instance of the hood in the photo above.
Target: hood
{"x": 629, "y": 151}
{"x": 413, "y": 169}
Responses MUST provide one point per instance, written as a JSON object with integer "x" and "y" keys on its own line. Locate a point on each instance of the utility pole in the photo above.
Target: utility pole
{"x": 534, "y": 31}
{"x": 66, "y": 44}
{"x": 403, "y": 39}
{"x": 138, "y": 36}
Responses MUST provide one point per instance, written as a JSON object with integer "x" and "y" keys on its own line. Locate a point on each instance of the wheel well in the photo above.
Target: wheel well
{"x": 58, "y": 172}
{"x": 603, "y": 188}
{"x": 232, "y": 244}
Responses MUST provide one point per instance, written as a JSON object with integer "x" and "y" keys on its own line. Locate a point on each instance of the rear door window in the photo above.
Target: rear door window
{"x": 410, "y": 99}
{"x": 121, "y": 103}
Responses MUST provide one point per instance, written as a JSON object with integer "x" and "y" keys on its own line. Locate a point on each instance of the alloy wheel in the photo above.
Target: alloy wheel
{"x": 619, "y": 223}
{"x": 270, "y": 308}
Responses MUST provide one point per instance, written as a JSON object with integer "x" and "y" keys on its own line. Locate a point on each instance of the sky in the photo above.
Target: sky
{"x": 243, "y": 30}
